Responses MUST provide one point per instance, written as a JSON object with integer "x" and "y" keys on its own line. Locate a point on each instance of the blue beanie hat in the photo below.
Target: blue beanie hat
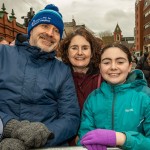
{"x": 49, "y": 15}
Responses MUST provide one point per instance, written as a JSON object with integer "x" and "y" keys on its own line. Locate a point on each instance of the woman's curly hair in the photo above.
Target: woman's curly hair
{"x": 94, "y": 43}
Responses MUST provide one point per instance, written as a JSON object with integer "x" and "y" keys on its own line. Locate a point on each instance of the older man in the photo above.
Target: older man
{"x": 38, "y": 103}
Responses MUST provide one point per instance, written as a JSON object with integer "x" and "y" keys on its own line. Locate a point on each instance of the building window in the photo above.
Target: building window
{"x": 147, "y": 25}
{"x": 118, "y": 37}
{"x": 145, "y": 4}
{"x": 147, "y": 37}
{"x": 147, "y": 13}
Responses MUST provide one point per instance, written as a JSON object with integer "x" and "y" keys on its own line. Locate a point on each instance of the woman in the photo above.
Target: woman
{"x": 81, "y": 51}
{"x": 118, "y": 113}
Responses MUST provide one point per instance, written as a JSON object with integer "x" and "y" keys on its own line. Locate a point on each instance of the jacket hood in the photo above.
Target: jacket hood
{"x": 136, "y": 77}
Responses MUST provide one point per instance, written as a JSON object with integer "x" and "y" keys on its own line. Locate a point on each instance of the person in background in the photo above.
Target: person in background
{"x": 134, "y": 62}
{"x": 20, "y": 39}
{"x": 148, "y": 59}
{"x": 3, "y": 41}
{"x": 135, "y": 59}
{"x": 118, "y": 113}
{"x": 143, "y": 65}
{"x": 81, "y": 51}
{"x": 38, "y": 101}
{"x": 12, "y": 43}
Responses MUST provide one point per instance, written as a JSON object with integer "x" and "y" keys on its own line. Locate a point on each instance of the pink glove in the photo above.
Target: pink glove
{"x": 100, "y": 137}
{"x": 96, "y": 147}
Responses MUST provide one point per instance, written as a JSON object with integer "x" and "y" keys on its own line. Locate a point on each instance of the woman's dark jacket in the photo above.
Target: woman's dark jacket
{"x": 85, "y": 84}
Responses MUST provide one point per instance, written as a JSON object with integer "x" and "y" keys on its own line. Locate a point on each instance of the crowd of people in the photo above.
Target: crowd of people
{"x": 92, "y": 96}
{"x": 144, "y": 65}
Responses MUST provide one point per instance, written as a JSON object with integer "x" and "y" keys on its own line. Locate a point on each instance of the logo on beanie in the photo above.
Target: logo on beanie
{"x": 42, "y": 19}
{"x": 49, "y": 15}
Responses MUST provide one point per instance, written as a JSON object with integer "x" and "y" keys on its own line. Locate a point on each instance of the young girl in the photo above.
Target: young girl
{"x": 118, "y": 113}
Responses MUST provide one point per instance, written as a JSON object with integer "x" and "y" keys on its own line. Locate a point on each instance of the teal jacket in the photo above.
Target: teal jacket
{"x": 123, "y": 108}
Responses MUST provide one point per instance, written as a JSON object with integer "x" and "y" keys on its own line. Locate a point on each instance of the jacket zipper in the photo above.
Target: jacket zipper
{"x": 113, "y": 105}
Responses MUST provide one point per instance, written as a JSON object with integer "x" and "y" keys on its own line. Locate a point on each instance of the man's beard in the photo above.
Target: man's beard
{"x": 49, "y": 44}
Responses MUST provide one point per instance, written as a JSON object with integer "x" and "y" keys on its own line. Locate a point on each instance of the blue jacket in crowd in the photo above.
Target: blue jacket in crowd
{"x": 35, "y": 86}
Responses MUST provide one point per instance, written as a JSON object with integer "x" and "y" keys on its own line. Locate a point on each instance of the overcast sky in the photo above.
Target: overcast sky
{"x": 97, "y": 15}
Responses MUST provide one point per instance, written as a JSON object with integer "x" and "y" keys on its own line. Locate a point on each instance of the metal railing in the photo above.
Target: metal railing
{"x": 72, "y": 148}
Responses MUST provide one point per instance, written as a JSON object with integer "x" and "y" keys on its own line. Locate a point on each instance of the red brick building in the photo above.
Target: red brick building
{"x": 146, "y": 25}
{"x": 142, "y": 25}
{"x": 8, "y": 25}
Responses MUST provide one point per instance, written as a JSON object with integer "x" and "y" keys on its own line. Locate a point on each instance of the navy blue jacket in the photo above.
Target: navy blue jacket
{"x": 35, "y": 86}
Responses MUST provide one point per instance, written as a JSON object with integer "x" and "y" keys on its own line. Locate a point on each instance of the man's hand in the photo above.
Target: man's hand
{"x": 12, "y": 144}
{"x": 33, "y": 134}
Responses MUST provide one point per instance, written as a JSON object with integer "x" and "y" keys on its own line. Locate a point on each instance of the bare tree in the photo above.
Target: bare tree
{"x": 105, "y": 33}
